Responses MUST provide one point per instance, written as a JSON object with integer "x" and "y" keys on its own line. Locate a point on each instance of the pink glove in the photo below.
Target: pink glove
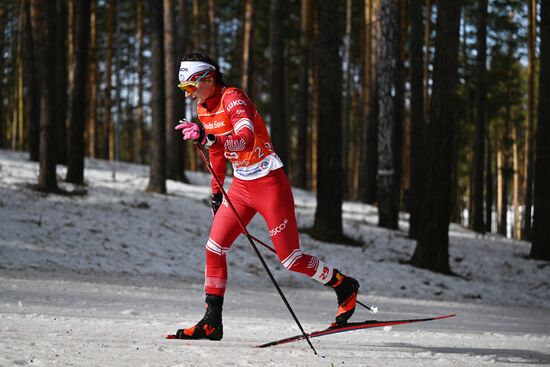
{"x": 191, "y": 130}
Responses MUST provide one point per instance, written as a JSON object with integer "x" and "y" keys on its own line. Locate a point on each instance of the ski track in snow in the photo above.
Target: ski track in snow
{"x": 100, "y": 279}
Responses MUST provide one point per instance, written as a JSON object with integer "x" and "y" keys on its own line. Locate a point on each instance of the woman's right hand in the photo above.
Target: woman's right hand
{"x": 216, "y": 202}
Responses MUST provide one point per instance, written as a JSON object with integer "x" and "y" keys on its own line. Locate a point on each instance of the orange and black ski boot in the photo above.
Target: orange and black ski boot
{"x": 210, "y": 327}
{"x": 346, "y": 290}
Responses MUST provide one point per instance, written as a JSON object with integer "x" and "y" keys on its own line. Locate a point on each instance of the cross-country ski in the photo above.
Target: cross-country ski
{"x": 350, "y": 326}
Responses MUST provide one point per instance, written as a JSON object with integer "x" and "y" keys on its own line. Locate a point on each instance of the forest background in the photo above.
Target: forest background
{"x": 429, "y": 107}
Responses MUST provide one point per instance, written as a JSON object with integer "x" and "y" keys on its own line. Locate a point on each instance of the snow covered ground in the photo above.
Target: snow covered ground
{"x": 100, "y": 279}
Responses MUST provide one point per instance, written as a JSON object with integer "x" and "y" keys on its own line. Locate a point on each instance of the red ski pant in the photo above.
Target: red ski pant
{"x": 270, "y": 196}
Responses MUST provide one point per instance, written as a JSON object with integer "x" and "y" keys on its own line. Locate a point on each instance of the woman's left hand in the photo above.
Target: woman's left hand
{"x": 191, "y": 130}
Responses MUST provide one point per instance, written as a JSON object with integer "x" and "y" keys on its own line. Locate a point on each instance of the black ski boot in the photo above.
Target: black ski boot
{"x": 210, "y": 327}
{"x": 346, "y": 291}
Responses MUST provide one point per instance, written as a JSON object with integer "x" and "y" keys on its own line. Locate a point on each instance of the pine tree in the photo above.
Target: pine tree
{"x": 157, "y": 174}
{"x": 108, "y": 131}
{"x": 432, "y": 249}
{"x": 183, "y": 35}
{"x": 417, "y": 111}
{"x": 42, "y": 17}
{"x": 302, "y": 114}
{"x": 61, "y": 46}
{"x": 346, "y": 95}
{"x": 529, "y": 136}
{"x": 76, "y": 144}
{"x": 328, "y": 216}
{"x": 388, "y": 184}
{"x": 367, "y": 102}
{"x": 31, "y": 82}
{"x": 174, "y": 147}
{"x": 140, "y": 138}
{"x": 481, "y": 119}
{"x": 248, "y": 43}
{"x": 92, "y": 126}
{"x": 212, "y": 31}
{"x": 541, "y": 218}
{"x": 2, "y": 88}
{"x": 278, "y": 122}
{"x": 369, "y": 160}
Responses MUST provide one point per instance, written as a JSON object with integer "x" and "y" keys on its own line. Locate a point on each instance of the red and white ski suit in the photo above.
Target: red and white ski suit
{"x": 259, "y": 186}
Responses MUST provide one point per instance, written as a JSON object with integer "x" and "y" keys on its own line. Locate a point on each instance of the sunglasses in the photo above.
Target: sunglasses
{"x": 191, "y": 86}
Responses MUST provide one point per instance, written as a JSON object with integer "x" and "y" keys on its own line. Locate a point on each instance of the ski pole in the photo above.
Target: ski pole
{"x": 245, "y": 232}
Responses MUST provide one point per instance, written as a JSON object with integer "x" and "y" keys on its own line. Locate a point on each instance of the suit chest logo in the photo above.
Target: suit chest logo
{"x": 214, "y": 125}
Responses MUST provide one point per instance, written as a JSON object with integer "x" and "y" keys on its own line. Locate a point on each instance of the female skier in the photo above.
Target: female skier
{"x": 231, "y": 128}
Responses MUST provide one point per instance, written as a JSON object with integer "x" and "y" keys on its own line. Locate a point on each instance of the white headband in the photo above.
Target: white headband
{"x": 190, "y": 70}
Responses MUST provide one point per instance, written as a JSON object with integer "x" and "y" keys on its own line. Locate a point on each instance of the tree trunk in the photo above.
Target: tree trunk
{"x": 301, "y": 177}
{"x": 530, "y": 133}
{"x": 174, "y": 146}
{"x": 366, "y": 88}
{"x": 369, "y": 176}
{"x": 346, "y": 97}
{"x": 117, "y": 123}
{"x": 157, "y": 175}
{"x": 469, "y": 117}
{"x": 432, "y": 249}
{"x": 19, "y": 80}
{"x": 130, "y": 126}
{"x": 140, "y": 139}
{"x": 314, "y": 140}
{"x": 358, "y": 125}
{"x": 212, "y": 31}
{"x": 60, "y": 70}
{"x": 455, "y": 195}
{"x": 183, "y": 32}
{"x": 417, "y": 112}
{"x": 93, "y": 147}
{"x": 427, "y": 58}
{"x": 540, "y": 248}
{"x": 11, "y": 92}
{"x": 481, "y": 119}
{"x": 69, "y": 33}
{"x": 371, "y": 191}
{"x": 31, "y": 82}
{"x": 76, "y": 148}
{"x": 328, "y": 215}
{"x": 248, "y": 47}
{"x": 505, "y": 170}
{"x": 516, "y": 225}
{"x": 2, "y": 88}
{"x": 503, "y": 223}
{"x": 108, "y": 133}
{"x": 500, "y": 185}
{"x": 201, "y": 40}
{"x": 388, "y": 206}
{"x": 42, "y": 17}
{"x": 197, "y": 34}
{"x": 359, "y": 100}
{"x": 488, "y": 182}
{"x": 278, "y": 122}
{"x": 399, "y": 141}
